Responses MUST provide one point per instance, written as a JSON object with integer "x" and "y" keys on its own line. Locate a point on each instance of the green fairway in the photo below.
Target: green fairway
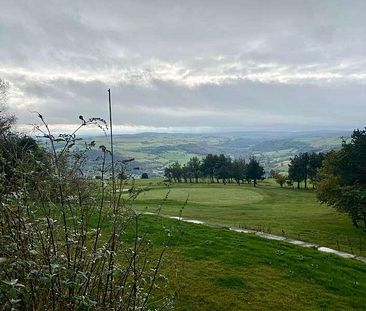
{"x": 206, "y": 196}
{"x": 215, "y": 269}
{"x": 289, "y": 212}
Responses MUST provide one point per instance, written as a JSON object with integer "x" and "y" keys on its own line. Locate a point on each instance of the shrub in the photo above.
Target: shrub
{"x": 52, "y": 251}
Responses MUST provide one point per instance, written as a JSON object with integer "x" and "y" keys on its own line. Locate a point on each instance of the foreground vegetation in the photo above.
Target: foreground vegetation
{"x": 284, "y": 211}
{"x": 61, "y": 244}
{"x": 215, "y": 269}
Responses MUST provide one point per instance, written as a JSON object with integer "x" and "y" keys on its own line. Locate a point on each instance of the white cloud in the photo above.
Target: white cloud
{"x": 192, "y": 64}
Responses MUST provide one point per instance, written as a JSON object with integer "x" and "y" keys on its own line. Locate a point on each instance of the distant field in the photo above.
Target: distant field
{"x": 154, "y": 151}
{"x": 290, "y": 212}
{"x": 215, "y": 269}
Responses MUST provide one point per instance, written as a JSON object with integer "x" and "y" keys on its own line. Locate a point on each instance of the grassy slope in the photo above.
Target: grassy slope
{"x": 221, "y": 270}
{"x": 294, "y": 213}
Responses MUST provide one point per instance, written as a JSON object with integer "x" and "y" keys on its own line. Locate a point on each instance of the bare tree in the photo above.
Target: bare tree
{"x": 4, "y": 87}
{"x": 6, "y": 119}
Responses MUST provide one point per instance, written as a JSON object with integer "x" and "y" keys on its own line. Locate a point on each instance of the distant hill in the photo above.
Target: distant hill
{"x": 153, "y": 151}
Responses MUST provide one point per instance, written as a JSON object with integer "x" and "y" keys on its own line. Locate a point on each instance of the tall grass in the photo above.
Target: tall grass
{"x": 61, "y": 244}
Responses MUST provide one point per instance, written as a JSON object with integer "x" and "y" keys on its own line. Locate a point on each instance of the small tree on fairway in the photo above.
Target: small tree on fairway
{"x": 254, "y": 170}
{"x": 280, "y": 179}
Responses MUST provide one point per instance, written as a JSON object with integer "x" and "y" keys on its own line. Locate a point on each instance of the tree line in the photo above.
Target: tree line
{"x": 338, "y": 176}
{"x": 221, "y": 168}
{"x": 302, "y": 168}
{"x": 216, "y": 168}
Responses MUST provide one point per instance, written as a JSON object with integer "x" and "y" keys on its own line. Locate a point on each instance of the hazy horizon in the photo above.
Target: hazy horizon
{"x": 117, "y": 131}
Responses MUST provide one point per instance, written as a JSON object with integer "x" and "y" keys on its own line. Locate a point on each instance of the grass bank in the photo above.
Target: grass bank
{"x": 215, "y": 269}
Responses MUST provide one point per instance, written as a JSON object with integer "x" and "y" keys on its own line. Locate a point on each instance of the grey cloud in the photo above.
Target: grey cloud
{"x": 279, "y": 64}
{"x": 172, "y": 30}
{"x": 239, "y": 105}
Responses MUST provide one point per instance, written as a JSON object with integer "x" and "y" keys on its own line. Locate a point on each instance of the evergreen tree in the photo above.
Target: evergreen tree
{"x": 223, "y": 170}
{"x": 254, "y": 171}
{"x": 238, "y": 170}
{"x": 186, "y": 173}
{"x": 295, "y": 170}
{"x": 315, "y": 162}
{"x": 208, "y": 166}
{"x": 304, "y": 157}
{"x": 176, "y": 170}
{"x": 194, "y": 168}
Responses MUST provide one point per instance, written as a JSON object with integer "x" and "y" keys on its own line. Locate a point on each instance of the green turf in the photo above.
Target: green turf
{"x": 206, "y": 196}
{"x": 215, "y": 269}
{"x": 289, "y": 212}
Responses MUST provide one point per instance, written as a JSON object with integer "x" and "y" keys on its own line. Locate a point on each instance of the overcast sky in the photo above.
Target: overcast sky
{"x": 187, "y": 65}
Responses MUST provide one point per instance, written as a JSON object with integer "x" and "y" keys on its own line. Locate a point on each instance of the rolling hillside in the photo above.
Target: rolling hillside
{"x": 153, "y": 151}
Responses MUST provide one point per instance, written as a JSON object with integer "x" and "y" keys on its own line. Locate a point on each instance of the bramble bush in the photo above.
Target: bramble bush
{"x": 62, "y": 243}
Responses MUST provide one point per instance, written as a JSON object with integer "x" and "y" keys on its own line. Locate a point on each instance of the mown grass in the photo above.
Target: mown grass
{"x": 289, "y": 212}
{"x": 215, "y": 269}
